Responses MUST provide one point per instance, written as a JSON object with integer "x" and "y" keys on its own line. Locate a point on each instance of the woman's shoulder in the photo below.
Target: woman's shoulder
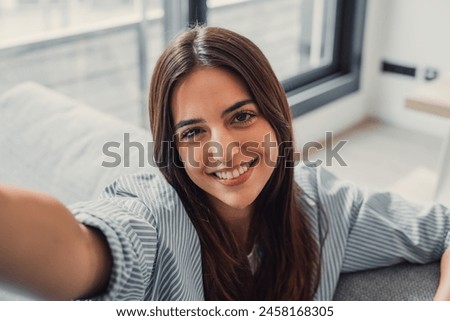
{"x": 318, "y": 182}
{"x": 306, "y": 177}
{"x": 148, "y": 187}
{"x": 142, "y": 194}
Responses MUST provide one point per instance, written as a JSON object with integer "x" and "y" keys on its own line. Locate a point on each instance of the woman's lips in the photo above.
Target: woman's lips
{"x": 242, "y": 178}
{"x": 236, "y": 176}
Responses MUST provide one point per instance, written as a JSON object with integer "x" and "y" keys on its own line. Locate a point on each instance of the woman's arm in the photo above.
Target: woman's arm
{"x": 443, "y": 291}
{"x": 43, "y": 248}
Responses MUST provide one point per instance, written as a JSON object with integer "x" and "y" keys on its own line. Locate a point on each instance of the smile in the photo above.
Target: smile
{"x": 235, "y": 173}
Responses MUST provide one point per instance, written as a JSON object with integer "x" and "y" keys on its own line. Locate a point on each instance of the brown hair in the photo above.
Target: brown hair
{"x": 289, "y": 262}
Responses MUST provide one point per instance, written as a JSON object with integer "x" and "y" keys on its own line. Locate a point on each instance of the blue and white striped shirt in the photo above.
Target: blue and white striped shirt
{"x": 156, "y": 251}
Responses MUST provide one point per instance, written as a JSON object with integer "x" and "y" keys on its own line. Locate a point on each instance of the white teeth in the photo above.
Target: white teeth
{"x": 234, "y": 173}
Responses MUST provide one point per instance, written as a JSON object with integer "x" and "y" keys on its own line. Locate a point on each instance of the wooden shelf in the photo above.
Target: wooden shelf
{"x": 432, "y": 98}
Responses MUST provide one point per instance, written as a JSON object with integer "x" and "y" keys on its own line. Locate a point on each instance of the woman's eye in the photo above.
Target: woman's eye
{"x": 190, "y": 133}
{"x": 243, "y": 117}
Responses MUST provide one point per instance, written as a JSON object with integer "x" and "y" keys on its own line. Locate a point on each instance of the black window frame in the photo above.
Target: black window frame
{"x": 313, "y": 89}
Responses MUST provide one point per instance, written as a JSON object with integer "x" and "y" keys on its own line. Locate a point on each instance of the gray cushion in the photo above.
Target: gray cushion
{"x": 52, "y": 143}
{"x": 402, "y": 282}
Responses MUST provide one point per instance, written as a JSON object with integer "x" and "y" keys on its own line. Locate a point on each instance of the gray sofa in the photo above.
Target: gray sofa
{"x": 53, "y": 144}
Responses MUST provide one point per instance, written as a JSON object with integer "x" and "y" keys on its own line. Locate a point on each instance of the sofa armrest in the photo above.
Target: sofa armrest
{"x": 402, "y": 282}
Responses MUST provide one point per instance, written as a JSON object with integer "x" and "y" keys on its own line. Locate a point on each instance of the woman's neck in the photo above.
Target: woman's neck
{"x": 238, "y": 221}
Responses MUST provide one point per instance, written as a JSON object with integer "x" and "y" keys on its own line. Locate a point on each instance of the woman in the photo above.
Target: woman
{"x": 224, "y": 91}
{"x": 231, "y": 218}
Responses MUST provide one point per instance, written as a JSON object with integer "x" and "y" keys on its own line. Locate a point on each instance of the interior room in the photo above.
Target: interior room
{"x": 370, "y": 78}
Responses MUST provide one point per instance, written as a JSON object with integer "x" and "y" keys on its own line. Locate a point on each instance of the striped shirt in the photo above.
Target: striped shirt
{"x": 156, "y": 251}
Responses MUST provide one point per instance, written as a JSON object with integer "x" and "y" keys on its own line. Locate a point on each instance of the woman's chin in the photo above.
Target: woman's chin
{"x": 235, "y": 203}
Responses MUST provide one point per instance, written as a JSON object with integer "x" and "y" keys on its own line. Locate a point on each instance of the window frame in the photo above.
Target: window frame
{"x": 315, "y": 88}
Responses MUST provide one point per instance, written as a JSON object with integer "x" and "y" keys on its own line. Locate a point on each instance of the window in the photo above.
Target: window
{"x": 102, "y": 52}
{"x": 314, "y": 46}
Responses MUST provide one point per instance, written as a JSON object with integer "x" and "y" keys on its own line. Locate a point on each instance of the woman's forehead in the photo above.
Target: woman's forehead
{"x": 204, "y": 89}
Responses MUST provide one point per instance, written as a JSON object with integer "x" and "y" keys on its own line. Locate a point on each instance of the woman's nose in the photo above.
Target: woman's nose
{"x": 222, "y": 149}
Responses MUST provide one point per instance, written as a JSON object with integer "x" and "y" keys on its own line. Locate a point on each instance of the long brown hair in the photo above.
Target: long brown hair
{"x": 289, "y": 260}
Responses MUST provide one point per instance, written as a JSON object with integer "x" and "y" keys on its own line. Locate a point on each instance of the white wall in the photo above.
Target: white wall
{"x": 417, "y": 34}
{"x": 412, "y": 32}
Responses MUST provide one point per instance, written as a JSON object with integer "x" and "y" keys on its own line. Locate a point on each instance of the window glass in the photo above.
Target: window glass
{"x": 295, "y": 35}
{"x": 90, "y": 50}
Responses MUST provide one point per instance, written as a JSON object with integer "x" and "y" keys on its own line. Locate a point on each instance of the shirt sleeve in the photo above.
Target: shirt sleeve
{"x": 127, "y": 223}
{"x": 377, "y": 229}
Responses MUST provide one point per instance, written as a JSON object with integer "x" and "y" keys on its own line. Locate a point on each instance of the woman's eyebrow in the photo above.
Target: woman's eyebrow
{"x": 188, "y": 122}
{"x": 235, "y": 106}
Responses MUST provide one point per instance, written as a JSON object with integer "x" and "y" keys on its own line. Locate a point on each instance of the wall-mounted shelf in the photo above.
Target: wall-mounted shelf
{"x": 433, "y": 98}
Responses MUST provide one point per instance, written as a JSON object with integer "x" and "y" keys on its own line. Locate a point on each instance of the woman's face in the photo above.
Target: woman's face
{"x": 228, "y": 148}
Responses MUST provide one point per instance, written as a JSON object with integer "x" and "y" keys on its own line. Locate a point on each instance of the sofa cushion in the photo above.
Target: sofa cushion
{"x": 53, "y": 144}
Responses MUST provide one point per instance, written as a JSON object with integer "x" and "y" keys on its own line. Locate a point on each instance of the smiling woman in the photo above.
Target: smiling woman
{"x": 230, "y": 218}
